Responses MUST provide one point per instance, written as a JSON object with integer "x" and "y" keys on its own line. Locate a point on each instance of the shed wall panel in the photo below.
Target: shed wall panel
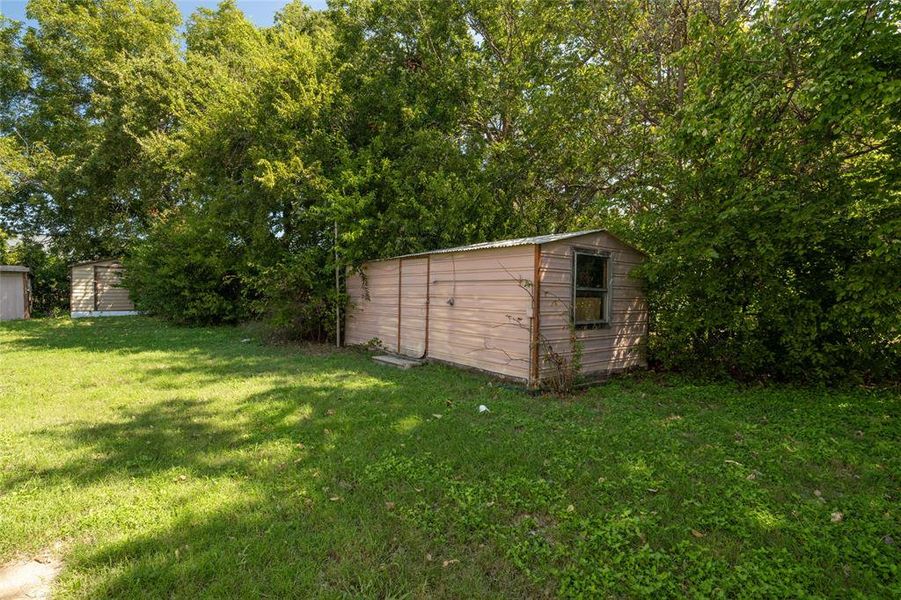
{"x": 413, "y": 301}
{"x": 372, "y": 310}
{"x": 110, "y": 294}
{"x": 619, "y": 346}
{"x": 82, "y": 288}
{"x": 487, "y": 325}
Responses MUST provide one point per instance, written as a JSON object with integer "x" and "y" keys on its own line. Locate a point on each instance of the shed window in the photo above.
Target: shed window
{"x": 591, "y": 288}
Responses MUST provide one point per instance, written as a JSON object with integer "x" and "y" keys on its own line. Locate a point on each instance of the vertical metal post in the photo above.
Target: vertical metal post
{"x": 94, "y": 270}
{"x": 535, "y": 374}
{"x": 337, "y": 293}
{"x": 428, "y": 301}
{"x": 400, "y": 282}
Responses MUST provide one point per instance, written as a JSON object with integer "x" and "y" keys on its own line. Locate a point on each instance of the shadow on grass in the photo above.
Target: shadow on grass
{"x": 331, "y": 476}
{"x": 162, "y": 352}
{"x": 267, "y": 487}
{"x": 291, "y": 546}
{"x": 301, "y": 521}
{"x": 213, "y": 440}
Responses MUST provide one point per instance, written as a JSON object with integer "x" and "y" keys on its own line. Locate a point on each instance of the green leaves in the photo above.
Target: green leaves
{"x": 752, "y": 150}
{"x": 65, "y": 107}
{"x": 764, "y": 233}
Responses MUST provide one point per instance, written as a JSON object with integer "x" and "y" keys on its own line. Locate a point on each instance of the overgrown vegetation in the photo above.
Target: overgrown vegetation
{"x": 777, "y": 249}
{"x": 186, "y": 462}
{"x": 565, "y": 368}
{"x": 751, "y": 147}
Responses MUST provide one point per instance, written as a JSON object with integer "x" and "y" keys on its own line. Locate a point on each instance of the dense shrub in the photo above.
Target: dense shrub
{"x": 188, "y": 271}
{"x": 296, "y": 296}
{"x": 777, "y": 254}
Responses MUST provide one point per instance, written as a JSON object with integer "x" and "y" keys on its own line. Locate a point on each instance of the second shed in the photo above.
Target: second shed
{"x": 97, "y": 291}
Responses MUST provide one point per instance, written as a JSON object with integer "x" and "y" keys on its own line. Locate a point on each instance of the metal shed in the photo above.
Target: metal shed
{"x": 15, "y": 292}
{"x": 96, "y": 290}
{"x": 499, "y": 306}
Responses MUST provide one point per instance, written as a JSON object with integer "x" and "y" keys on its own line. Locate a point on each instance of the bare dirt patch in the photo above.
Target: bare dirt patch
{"x": 29, "y": 578}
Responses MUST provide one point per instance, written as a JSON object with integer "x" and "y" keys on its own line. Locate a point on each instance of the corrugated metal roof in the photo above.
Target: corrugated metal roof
{"x": 91, "y": 262}
{"x": 14, "y": 269}
{"x": 526, "y": 241}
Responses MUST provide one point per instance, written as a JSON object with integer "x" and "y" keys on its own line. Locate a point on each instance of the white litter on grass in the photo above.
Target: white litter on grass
{"x": 245, "y": 340}
{"x": 483, "y": 409}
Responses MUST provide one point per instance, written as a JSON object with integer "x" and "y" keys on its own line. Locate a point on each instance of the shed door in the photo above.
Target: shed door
{"x": 413, "y": 299}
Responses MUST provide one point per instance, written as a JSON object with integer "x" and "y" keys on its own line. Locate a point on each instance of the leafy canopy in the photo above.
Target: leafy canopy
{"x": 752, "y": 148}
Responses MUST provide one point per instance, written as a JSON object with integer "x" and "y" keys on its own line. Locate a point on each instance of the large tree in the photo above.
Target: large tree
{"x": 65, "y": 141}
{"x": 751, "y": 147}
{"x": 776, "y": 246}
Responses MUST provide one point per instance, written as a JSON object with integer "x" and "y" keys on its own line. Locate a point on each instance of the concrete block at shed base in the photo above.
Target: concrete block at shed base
{"x": 84, "y": 314}
{"x": 397, "y": 361}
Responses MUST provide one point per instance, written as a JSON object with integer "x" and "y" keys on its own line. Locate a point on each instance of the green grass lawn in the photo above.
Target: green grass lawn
{"x": 170, "y": 462}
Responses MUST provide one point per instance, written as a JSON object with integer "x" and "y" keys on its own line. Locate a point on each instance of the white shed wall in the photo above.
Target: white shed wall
{"x": 103, "y": 279}
{"x": 487, "y": 326}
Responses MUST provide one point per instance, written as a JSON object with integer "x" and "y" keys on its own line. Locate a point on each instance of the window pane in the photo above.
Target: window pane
{"x": 591, "y": 271}
{"x": 589, "y": 306}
